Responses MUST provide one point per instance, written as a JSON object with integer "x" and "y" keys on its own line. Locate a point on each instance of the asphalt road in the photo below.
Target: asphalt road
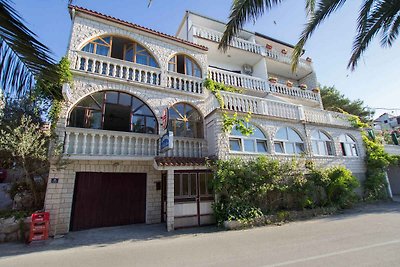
{"x": 367, "y": 236}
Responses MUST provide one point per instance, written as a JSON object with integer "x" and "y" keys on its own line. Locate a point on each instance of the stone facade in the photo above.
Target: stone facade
{"x": 158, "y": 97}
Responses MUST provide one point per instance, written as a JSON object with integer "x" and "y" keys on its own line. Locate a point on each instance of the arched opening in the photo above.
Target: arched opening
{"x": 288, "y": 141}
{"x": 185, "y": 121}
{"x": 321, "y": 144}
{"x": 255, "y": 143}
{"x": 120, "y": 48}
{"x": 115, "y": 111}
{"x": 183, "y": 64}
{"x": 348, "y": 146}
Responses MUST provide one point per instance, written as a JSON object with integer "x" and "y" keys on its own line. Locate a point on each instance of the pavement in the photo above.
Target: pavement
{"x": 367, "y": 235}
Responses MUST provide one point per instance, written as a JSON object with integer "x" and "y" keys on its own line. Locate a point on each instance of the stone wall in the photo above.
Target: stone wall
{"x": 59, "y": 195}
{"x": 11, "y": 229}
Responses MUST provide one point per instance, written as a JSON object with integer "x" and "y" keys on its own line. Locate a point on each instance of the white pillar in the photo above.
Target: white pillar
{"x": 388, "y": 185}
{"x": 170, "y": 200}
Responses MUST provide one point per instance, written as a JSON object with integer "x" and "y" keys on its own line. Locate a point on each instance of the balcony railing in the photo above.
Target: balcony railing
{"x": 216, "y": 36}
{"x": 184, "y": 83}
{"x": 293, "y": 92}
{"x": 237, "y": 80}
{"x": 257, "y": 105}
{"x": 287, "y": 58}
{"x": 115, "y": 68}
{"x": 102, "y": 143}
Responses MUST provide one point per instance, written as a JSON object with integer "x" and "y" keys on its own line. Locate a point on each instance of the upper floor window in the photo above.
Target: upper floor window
{"x": 120, "y": 48}
{"x": 348, "y": 146}
{"x": 322, "y": 145}
{"x": 116, "y": 111}
{"x": 256, "y": 142}
{"x": 185, "y": 121}
{"x": 185, "y": 65}
{"x": 288, "y": 141}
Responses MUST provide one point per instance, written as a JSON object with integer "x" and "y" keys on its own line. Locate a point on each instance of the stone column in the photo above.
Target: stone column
{"x": 170, "y": 200}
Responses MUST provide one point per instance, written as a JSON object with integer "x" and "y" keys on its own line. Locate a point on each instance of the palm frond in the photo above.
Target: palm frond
{"x": 22, "y": 55}
{"x": 310, "y": 7}
{"x": 325, "y": 9}
{"x": 241, "y": 12}
{"x": 382, "y": 16}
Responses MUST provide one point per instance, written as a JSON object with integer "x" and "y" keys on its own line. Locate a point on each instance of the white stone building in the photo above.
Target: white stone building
{"x": 126, "y": 76}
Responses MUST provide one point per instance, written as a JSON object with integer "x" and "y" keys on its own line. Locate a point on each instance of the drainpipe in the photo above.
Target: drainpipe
{"x": 388, "y": 185}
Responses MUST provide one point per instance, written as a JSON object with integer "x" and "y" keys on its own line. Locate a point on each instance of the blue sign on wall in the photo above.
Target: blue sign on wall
{"x": 167, "y": 142}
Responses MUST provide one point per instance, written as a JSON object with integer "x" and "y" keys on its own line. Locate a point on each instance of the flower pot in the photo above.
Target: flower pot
{"x": 284, "y": 51}
{"x": 315, "y": 90}
{"x": 308, "y": 59}
{"x": 273, "y": 80}
{"x": 289, "y": 84}
{"x": 268, "y": 46}
{"x": 303, "y": 86}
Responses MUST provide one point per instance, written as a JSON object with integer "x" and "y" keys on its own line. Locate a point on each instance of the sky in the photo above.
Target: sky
{"x": 376, "y": 80}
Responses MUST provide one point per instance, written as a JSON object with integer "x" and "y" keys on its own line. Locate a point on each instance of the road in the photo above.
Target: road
{"x": 367, "y": 236}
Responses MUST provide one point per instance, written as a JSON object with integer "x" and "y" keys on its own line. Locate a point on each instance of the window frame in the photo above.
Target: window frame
{"x": 242, "y": 140}
{"x": 102, "y": 108}
{"x": 194, "y": 63}
{"x": 284, "y": 143}
{"x": 348, "y": 146}
{"x": 328, "y": 144}
{"x": 172, "y": 122}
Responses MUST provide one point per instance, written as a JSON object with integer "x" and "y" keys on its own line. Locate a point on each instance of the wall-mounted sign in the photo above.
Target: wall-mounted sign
{"x": 167, "y": 142}
{"x": 164, "y": 119}
{"x": 54, "y": 180}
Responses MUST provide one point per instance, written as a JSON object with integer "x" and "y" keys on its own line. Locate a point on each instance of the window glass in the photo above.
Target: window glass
{"x": 185, "y": 184}
{"x": 293, "y": 136}
{"x": 189, "y": 67}
{"x": 289, "y": 148}
{"x": 262, "y": 146}
{"x": 184, "y": 65}
{"x": 234, "y": 145}
{"x": 117, "y": 113}
{"x": 177, "y": 185}
{"x": 290, "y": 141}
{"x": 282, "y": 134}
{"x": 299, "y": 148}
{"x": 278, "y": 147}
{"x": 249, "y": 145}
{"x": 193, "y": 184}
{"x": 120, "y": 48}
{"x": 348, "y": 145}
{"x": 185, "y": 121}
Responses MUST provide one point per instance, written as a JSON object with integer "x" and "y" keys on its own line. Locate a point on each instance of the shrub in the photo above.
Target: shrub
{"x": 340, "y": 190}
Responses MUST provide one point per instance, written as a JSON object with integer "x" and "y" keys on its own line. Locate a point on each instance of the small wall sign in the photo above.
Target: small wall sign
{"x": 164, "y": 119}
{"x": 54, "y": 180}
{"x": 167, "y": 142}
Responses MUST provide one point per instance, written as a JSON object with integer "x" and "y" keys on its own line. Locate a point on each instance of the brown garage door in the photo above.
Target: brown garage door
{"x": 108, "y": 199}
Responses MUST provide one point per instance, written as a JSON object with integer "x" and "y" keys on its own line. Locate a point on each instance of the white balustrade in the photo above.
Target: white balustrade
{"x": 287, "y": 58}
{"x": 184, "y": 83}
{"x": 93, "y": 142}
{"x": 188, "y": 147}
{"x": 244, "y": 103}
{"x": 115, "y": 68}
{"x": 293, "y": 92}
{"x": 237, "y": 80}
{"x": 216, "y": 36}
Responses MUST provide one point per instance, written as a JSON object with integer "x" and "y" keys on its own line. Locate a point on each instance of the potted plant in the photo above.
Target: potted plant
{"x": 268, "y": 46}
{"x": 308, "y": 59}
{"x": 303, "y": 86}
{"x": 273, "y": 79}
{"x": 289, "y": 83}
{"x": 284, "y": 51}
{"x": 316, "y": 90}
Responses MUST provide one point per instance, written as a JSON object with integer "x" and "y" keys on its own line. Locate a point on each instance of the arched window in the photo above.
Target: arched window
{"x": 185, "y": 121}
{"x": 185, "y": 65}
{"x": 322, "y": 145}
{"x": 256, "y": 142}
{"x": 288, "y": 141}
{"x": 116, "y": 111}
{"x": 348, "y": 146}
{"x": 120, "y": 48}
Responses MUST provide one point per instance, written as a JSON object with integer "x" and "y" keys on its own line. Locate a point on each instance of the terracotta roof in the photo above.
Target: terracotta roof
{"x": 178, "y": 161}
{"x": 135, "y": 26}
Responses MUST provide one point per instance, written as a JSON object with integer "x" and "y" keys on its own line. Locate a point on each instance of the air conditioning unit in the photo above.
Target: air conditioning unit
{"x": 247, "y": 69}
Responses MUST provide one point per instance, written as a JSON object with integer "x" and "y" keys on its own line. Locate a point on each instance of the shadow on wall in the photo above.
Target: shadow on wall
{"x": 5, "y": 200}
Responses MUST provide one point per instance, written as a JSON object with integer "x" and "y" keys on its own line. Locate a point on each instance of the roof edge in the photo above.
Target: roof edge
{"x": 135, "y": 26}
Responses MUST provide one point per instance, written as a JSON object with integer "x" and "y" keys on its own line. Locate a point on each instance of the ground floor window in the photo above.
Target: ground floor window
{"x": 188, "y": 186}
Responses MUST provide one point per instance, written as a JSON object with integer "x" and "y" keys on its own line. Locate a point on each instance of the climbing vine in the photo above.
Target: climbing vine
{"x": 240, "y": 123}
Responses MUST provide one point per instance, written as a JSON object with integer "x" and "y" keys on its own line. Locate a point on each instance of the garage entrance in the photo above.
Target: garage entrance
{"x": 108, "y": 199}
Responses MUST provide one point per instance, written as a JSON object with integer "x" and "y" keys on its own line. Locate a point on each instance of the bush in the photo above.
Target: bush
{"x": 249, "y": 189}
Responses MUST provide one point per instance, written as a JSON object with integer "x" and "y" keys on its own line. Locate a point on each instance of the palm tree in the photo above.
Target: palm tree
{"x": 375, "y": 16}
{"x": 22, "y": 56}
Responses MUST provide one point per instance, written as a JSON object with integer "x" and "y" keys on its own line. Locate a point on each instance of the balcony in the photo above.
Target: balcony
{"x": 287, "y": 59}
{"x": 83, "y": 143}
{"x": 216, "y": 36}
{"x": 184, "y": 83}
{"x": 115, "y": 68}
{"x": 237, "y": 80}
{"x": 294, "y": 92}
{"x": 261, "y": 106}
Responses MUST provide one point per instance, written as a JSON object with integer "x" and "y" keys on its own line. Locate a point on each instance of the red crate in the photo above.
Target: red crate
{"x": 39, "y": 226}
